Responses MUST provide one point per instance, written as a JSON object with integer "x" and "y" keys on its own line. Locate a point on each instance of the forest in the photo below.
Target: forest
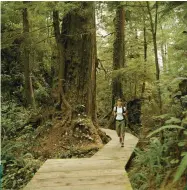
{"x": 63, "y": 66}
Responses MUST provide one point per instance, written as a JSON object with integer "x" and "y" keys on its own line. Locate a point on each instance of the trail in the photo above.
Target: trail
{"x": 104, "y": 170}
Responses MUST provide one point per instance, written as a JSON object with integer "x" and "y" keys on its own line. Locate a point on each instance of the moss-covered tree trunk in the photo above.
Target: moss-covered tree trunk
{"x": 118, "y": 52}
{"x": 60, "y": 49}
{"x": 91, "y": 107}
{"x": 77, "y": 51}
{"x": 29, "y": 94}
{"x": 79, "y": 45}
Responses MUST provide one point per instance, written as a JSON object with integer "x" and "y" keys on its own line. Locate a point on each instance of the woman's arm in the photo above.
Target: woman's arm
{"x": 125, "y": 111}
{"x": 114, "y": 112}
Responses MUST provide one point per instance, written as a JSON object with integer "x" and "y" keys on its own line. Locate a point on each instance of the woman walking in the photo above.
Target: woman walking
{"x": 119, "y": 112}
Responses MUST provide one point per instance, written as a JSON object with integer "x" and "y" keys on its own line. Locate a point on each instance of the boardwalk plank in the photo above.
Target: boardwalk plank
{"x": 87, "y": 187}
{"x": 104, "y": 170}
{"x": 82, "y": 173}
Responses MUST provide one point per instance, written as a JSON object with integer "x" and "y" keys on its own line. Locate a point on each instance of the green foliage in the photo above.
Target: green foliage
{"x": 13, "y": 119}
{"x": 103, "y": 96}
{"x": 17, "y": 172}
{"x": 17, "y": 141}
{"x": 181, "y": 168}
{"x": 42, "y": 95}
{"x": 161, "y": 118}
{"x": 151, "y": 164}
{"x": 184, "y": 122}
{"x": 156, "y": 158}
{"x": 168, "y": 127}
{"x": 133, "y": 79}
{"x": 161, "y": 153}
{"x": 173, "y": 121}
{"x": 173, "y": 86}
{"x": 165, "y": 127}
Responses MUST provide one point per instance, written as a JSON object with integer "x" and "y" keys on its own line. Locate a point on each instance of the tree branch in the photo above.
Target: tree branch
{"x": 102, "y": 67}
{"x": 103, "y": 36}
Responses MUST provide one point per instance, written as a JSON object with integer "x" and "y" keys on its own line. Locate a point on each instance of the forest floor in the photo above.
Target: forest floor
{"x": 64, "y": 142}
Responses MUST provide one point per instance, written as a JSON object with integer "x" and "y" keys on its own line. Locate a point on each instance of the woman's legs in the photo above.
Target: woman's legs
{"x": 122, "y": 132}
{"x": 120, "y": 129}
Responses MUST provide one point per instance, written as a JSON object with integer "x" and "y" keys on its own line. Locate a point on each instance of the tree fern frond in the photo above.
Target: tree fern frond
{"x": 163, "y": 128}
{"x": 181, "y": 168}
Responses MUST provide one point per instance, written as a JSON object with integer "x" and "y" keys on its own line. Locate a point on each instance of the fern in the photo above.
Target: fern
{"x": 182, "y": 167}
{"x": 163, "y": 128}
{"x": 173, "y": 120}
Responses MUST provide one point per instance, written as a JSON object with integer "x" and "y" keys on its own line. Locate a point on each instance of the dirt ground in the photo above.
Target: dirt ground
{"x": 67, "y": 141}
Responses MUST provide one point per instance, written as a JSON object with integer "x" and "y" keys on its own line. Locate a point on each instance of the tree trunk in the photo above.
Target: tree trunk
{"x": 76, "y": 35}
{"x": 163, "y": 54}
{"x": 92, "y": 79}
{"x": 78, "y": 40}
{"x": 79, "y": 43}
{"x": 29, "y": 94}
{"x": 145, "y": 45}
{"x": 118, "y": 52}
{"x": 154, "y": 36}
{"x": 145, "y": 59}
{"x": 60, "y": 49}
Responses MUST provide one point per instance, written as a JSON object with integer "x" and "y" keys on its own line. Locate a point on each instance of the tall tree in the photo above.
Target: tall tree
{"x": 92, "y": 79}
{"x": 153, "y": 25}
{"x": 145, "y": 52}
{"x": 154, "y": 36}
{"x": 29, "y": 94}
{"x": 163, "y": 50}
{"x": 78, "y": 40}
{"x": 118, "y": 51}
{"x": 60, "y": 60}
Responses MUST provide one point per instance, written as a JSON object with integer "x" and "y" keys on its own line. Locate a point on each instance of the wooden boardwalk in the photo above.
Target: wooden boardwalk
{"x": 104, "y": 170}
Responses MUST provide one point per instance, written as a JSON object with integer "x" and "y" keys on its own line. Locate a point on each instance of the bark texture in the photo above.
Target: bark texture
{"x": 60, "y": 49}
{"x": 145, "y": 58}
{"x": 76, "y": 44}
{"x": 79, "y": 45}
{"x": 118, "y": 52}
{"x": 29, "y": 94}
{"x": 154, "y": 36}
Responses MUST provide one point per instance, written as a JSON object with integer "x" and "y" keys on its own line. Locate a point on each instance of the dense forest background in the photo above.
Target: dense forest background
{"x": 63, "y": 64}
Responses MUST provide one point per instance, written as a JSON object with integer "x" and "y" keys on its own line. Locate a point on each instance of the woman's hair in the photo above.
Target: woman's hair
{"x": 119, "y": 99}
